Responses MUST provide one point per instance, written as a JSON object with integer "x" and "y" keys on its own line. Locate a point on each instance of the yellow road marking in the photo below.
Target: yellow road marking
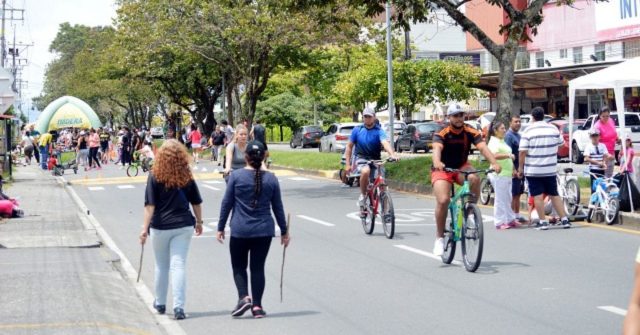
{"x": 618, "y": 229}
{"x": 100, "y": 325}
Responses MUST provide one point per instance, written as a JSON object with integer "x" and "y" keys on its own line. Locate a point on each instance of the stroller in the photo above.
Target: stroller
{"x": 65, "y": 160}
{"x": 349, "y": 177}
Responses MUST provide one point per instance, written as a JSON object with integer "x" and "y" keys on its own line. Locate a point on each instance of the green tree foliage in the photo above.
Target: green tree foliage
{"x": 285, "y": 109}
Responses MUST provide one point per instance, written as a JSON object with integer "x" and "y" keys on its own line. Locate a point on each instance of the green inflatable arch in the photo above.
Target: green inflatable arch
{"x": 66, "y": 112}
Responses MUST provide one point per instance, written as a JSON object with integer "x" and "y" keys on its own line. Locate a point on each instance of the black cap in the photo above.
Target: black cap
{"x": 255, "y": 147}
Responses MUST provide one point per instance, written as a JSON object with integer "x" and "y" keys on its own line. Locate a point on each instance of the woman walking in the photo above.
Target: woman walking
{"x": 235, "y": 150}
{"x": 251, "y": 195}
{"x": 83, "y": 150}
{"x": 94, "y": 146}
{"x": 216, "y": 141}
{"x": 195, "y": 137}
{"x": 504, "y": 216}
{"x": 170, "y": 190}
{"x": 608, "y": 135}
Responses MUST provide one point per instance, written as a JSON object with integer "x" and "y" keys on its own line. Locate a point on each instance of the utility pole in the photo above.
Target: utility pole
{"x": 3, "y": 40}
{"x": 390, "y": 73}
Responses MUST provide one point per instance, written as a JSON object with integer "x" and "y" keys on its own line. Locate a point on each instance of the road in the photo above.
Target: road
{"x": 339, "y": 280}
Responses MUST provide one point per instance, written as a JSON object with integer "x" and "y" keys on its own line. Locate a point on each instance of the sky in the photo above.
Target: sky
{"x": 42, "y": 19}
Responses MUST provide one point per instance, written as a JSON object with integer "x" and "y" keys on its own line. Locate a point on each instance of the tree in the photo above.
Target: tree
{"x": 286, "y": 110}
{"x": 521, "y": 22}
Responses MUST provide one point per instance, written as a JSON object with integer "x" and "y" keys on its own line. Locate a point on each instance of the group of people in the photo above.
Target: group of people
{"x": 251, "y": 195}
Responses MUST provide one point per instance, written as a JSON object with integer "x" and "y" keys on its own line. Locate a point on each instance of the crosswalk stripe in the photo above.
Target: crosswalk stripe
{"x": 614, "y": 310}
{"x": 122, "y": 187}
{"x": 96, "y": 188}
{"x": 299, "y": 179}
{"x": 316, "y": 221}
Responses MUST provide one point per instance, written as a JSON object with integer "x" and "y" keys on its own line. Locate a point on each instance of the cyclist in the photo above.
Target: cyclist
{"x": 368, "y": 139}
{"x": 451, "y": 148}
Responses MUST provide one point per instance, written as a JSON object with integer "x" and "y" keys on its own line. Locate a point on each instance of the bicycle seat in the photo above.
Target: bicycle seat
{"x": 568, "y": 170}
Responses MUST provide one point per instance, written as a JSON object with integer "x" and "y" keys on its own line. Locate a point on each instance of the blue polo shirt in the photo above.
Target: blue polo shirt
{"x": 513, "y": 140}
{"x": 368, "y": 141}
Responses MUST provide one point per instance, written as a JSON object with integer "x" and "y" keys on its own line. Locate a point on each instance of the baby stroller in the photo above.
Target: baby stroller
{"x": 65, "y": 160}
{"x": 349, "y": 177}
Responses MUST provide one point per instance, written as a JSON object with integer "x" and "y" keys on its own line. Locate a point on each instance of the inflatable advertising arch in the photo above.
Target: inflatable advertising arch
{"x": 66, "y": 112}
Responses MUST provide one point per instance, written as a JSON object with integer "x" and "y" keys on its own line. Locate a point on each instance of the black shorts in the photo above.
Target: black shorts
{"x": 540, "y": 185}
{"x": 517, "y": 186}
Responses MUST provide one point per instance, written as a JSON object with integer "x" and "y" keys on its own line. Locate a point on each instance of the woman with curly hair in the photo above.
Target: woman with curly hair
{"x": 167, "y": 218}
{"x": 251, "y": 195}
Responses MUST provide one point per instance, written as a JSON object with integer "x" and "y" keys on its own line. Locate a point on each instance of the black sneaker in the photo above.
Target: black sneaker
{"x": 543, "y": 225}
{"x": 258, "y": 312}
{"x": 242, "y": 306}
{"x": 178, "y": 313}
{"x": 160, "y": 308}
{"x": 566, "y": 224}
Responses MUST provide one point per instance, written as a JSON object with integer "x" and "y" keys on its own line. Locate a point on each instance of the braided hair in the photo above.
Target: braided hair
{"x": 255, "y": 158}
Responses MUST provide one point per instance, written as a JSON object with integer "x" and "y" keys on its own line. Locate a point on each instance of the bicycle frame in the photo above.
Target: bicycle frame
{"x": 378, "y": 183}
{"x": 600, "y": 197}
{"x": 455, "y": 208}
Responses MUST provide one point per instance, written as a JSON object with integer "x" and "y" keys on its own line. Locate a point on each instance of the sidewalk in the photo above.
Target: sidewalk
{"x": 56, "y": 275}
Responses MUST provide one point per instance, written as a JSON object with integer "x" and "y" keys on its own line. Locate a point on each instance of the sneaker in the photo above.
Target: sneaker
{"x": 178, "y": 313}
{"x": 514, "y": 224}
{"x": 543, "y": 225}
{"x": 160, "y": 308}
{"x": 566, "y": 224}
{"x": 242, "y": 306}
{"x": 521, "y": 218}
{"x": 503, "y": 226}
{"x": 361, "y": 201}
{"x": 258, "y": 312}
{"x": 438, "y": 247}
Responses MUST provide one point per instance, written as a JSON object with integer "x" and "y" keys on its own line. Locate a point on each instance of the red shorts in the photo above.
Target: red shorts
{"x": 451, "y": 177}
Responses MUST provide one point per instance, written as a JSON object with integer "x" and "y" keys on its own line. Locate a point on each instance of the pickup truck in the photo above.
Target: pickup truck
{"x": 581, "y": 136}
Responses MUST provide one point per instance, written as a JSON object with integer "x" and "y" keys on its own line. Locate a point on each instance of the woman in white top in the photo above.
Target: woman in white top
{"x": 502, "y": 211}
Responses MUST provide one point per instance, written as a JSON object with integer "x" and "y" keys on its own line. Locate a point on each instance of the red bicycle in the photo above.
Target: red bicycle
{"x": 378, "y": 196}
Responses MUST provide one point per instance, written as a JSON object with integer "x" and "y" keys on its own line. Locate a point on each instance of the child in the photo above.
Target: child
{"x": 596, "y": 154}
{"x": 147, "y": 155}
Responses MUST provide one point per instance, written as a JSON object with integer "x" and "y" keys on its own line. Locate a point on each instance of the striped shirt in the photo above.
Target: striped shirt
{"x": 541, "y": 141}
{"x": 595, "y": 153}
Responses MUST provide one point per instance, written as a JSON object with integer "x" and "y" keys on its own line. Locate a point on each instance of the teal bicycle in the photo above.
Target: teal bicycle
{"x": 465, "y": 225}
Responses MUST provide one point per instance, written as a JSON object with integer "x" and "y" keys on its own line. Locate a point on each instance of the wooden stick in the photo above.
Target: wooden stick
{"x": 284, "y": 254}
{"x": 140, "y": 266}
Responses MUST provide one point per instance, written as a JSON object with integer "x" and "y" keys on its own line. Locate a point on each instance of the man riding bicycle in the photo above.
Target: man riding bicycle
{"x": 369, "y": 139}
{"x": 451, "y": 148}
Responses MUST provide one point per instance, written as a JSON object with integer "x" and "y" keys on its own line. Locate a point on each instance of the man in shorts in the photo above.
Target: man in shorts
{"x": 538, "y": 162}
{"x": 451, "y": 148}
{"x": 368, "y": 140}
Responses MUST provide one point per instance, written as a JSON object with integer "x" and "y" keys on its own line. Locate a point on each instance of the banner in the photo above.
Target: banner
{"x": 617, "y": 19}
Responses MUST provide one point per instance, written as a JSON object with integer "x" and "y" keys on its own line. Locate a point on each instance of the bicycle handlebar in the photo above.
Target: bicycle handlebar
{"x": 383, "y": 161}
{"x": 468, "y": 172}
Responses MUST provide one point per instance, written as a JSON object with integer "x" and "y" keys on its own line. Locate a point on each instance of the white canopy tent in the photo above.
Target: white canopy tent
{"x": 616, "y": 77}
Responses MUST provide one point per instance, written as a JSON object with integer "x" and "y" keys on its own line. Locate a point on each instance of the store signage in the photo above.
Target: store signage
{"x": 536, "y": 93}
{"x": 617, "y": 19}
{"x": 462, "y": 57}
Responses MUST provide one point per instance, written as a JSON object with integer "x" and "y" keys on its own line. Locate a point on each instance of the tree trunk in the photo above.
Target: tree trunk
{"x": 281, "y": 134}
{"x": 505, "y": 86}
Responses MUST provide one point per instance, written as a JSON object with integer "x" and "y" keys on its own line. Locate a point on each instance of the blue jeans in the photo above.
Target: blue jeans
{"x": 171, "y": 248}
{"x": 44, "y": 156}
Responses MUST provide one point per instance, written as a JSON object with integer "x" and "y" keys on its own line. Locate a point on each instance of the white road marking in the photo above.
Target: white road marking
{"x": 211, "y": 187}
{"x": 614, "y": 310}
{"x": 122, "y": 187}
{"x": 400, "y": 217}
{"x": 95, "y": 188}
{"x": 423, "y": 253}
{"x": 299, "y": 179}
{"x": 213, "y": 181}
{"x": 316, "y": 221}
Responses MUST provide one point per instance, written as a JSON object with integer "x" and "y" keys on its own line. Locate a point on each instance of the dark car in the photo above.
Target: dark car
{"x": 418, "y": 136}
{"x": 306, "y": 136}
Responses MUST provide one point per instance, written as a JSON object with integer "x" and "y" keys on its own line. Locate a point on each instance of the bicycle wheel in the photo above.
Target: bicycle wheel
{"x": 387, "y": 215}
{"x": 367, "y": 216}
{"x": 472, "y": 237}
{"x": 611, "y": 214}
{"x": 571, "y": 198}
{"x": 132, "y": 170}
{"x": 449, "y": 242}
{"x": 485, "y": 191}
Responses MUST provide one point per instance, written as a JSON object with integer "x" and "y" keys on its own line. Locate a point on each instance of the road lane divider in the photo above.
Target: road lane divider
{"x": 211, "y": 187}
{"x": 423, "y": 253}
{"x": 316, "y": 221}
{"x": 96, "y": 188}
{"x": 614, "y": 310}
{"x": 125, "y": 187}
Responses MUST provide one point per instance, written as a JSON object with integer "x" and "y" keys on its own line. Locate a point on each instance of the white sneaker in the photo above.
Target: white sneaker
{"x": 361, "y": 201}
{"x": 438, "y": 247}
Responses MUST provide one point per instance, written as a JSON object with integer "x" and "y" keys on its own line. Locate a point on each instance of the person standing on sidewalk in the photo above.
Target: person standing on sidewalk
{"x": 512, "y": 139}
{"x": 94, "y": 146}
{"x": 45, "y": 147}
{"x": 167, "y": 218}
{"x": 608, "y": 135}
{"x": 251, "y": 195}
{"x": 35, "y": 136}
{"x": 538, "y": 161}
{"x": 504, "y": 216}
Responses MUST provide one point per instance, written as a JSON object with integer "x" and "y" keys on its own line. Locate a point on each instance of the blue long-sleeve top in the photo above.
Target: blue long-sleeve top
{"x": 247, "y": 221}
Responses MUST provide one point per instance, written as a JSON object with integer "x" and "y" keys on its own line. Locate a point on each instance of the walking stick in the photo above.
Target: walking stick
{"x": 284, "y": 254}
{"x": 140, "y": 266}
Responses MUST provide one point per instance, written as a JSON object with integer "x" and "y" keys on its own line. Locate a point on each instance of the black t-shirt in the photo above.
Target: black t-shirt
{"x": 218, "y": 138}
{"x": 259, "y": 133}
{"x": 457, "y": 145}
{"x": 171, "y": 205}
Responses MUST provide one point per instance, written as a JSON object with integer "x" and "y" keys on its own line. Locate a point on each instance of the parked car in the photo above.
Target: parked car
{"x": 336, "y": 137}
{"x": 563, "y": 127}
{"x": 156, "y": 132}
{"x": 527, "y": 119}
{"x": 306, "y": 136}
{"x": 581, "y": 135}
{"x": 398, "y": 127}
{"x": 418, "y": 136}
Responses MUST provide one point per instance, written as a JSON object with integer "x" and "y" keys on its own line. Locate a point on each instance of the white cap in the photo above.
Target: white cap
{"x": 368, "y": 111}
{"x": 454, "y": 109}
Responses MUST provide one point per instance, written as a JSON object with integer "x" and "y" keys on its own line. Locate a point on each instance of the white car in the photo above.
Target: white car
{"x": 336, "y": 137}
{"x": 156, "y": 132}
{"x": 581, "y": 136}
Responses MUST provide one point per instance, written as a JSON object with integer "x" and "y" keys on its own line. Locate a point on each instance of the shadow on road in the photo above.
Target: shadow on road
{"x": 489, "y": 268}
{"x": 194, "y": 315}
{"x": 291, "y": 314}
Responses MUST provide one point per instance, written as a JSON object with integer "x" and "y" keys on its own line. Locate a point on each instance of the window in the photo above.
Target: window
{"x": 495, "y": 66}
{"x": 522, "y": 59}
{"x": 631, "y": 48}
{"x": 599, "y": 52}
{"x": 539, "y": 59}
{"x": 563, "y": 53}
{"x": 577, "y": 55}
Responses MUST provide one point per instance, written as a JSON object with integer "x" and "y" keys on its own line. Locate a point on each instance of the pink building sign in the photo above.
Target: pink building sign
{"x": 617, "y": 19}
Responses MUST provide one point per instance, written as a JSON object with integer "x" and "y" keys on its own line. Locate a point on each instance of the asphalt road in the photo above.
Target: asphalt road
{"x": 339, "y": 280}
